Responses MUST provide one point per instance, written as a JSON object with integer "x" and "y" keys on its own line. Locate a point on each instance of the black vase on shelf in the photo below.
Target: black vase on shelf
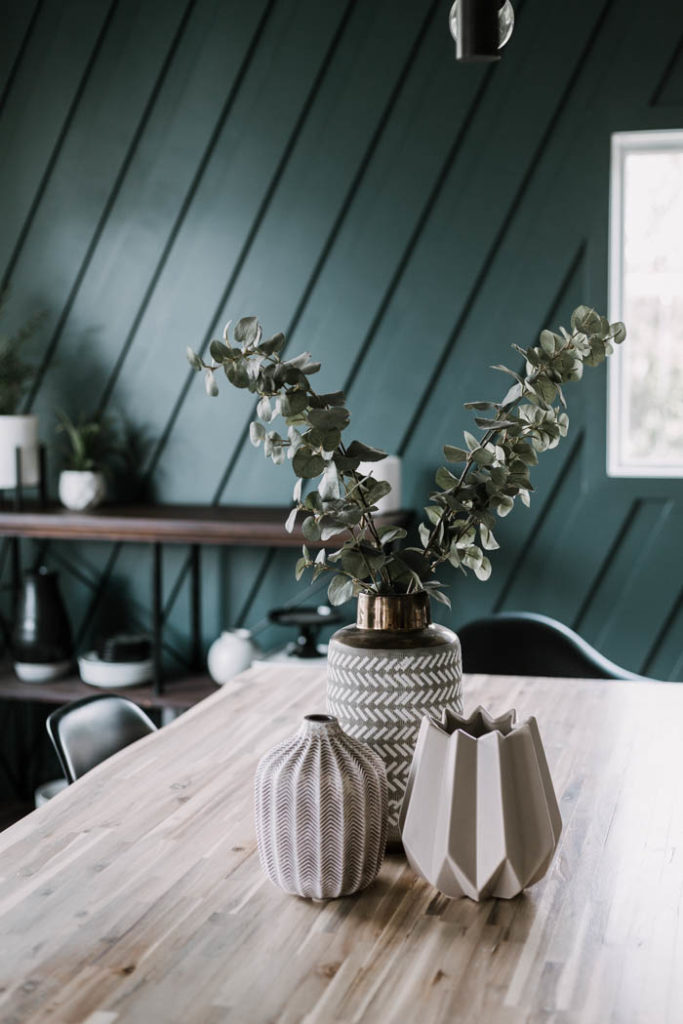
{"x": 42, "y": 648}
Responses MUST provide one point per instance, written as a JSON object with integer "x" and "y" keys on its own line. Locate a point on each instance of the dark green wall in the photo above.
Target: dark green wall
{"x": 327, "y": 166}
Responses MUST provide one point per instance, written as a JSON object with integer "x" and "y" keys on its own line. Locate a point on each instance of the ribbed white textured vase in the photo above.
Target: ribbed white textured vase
{"x": 321, "y": 811}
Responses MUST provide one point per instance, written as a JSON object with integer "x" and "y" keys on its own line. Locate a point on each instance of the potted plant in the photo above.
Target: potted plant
{"x": 90, "y": 443}
{"x": 394, "y": 665}
{"x": 17, "y": 431}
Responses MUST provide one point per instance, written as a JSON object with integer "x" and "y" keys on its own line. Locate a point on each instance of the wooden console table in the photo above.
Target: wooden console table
{"x": 192, "y": 525}
{"x": 136, "y": 895}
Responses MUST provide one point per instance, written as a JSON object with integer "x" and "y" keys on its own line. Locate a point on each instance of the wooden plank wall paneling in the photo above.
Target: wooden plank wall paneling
{"x": 168, "y": 166}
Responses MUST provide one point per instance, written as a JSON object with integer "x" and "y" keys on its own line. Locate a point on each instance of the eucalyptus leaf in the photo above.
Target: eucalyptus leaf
{"x": 364, "y": 452}
{"x": 264, "y": 410}
{"x": 257, "y": 433}
{"x": 307, "y": 463}
{"x": 193, "y": 359}
{"x": 247, "y": 330}
{"x": 327, "y": 419}
{"x": 211, "y": 386}
{"x": 236, "y": 372}
{"x": 310, "y": 529}
{"x": 329, "y": 484}
{"x": 340, "y": 590}
{"x": 220, "y": 352}
{"x": 271, "y": 345}
{"x": 454, "y": 454}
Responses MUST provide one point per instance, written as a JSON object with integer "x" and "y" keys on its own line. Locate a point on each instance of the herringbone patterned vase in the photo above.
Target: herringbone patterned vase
{"x": 321, "y": 812}
{"x": 380, "y": 692}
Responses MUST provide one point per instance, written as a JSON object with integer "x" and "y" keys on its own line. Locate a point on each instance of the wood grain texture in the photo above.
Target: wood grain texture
{"x": 136, "y": 896}
{"x": 171, "y": 524}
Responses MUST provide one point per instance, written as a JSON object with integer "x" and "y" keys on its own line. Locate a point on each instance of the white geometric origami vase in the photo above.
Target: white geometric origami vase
{"x": 480, "y": 816}
{"x": 321, "y": 811}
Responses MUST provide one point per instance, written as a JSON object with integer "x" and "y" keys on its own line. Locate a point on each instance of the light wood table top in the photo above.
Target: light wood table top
{"x": 136, "y": 896}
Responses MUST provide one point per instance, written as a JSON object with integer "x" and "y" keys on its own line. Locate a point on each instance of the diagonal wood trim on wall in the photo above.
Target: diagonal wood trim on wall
{"x": 330, "y": 168}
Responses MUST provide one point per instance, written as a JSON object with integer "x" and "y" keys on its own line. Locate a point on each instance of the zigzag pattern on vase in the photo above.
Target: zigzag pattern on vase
{"x": 380, "y": 697}
{"x": 321, "y": 812}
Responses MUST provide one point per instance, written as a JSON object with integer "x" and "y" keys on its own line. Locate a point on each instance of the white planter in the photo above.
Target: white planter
{"x": 480, "y": 816}
{"x": 80, "y": 490}
{"x": 231, "y": 653}
{"x": 321, "y": 812}
{"x": 388, "y": 469}
{"x": 19, "y": 432}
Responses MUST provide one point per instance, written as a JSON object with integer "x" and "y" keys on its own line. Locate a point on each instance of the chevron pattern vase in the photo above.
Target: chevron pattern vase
{"x": 321, "y": 812}
{"x": 385, "y": 674}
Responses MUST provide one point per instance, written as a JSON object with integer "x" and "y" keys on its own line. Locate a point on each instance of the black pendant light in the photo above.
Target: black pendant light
{"x": 481, "y": 28}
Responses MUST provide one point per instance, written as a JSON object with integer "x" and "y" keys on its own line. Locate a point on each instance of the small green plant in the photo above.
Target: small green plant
{"x": 15, "y": 373}
{"x": 90, "y": 444}
{"x": 489, "y": 471}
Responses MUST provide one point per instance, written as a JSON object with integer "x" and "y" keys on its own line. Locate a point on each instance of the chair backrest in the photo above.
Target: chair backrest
{"x": 526, "y": 643}
{"x": 90, "y": 730}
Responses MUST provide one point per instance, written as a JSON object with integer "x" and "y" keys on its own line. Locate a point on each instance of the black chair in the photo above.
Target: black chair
{"x": 88, "y": 731}
{"x": 528, "y": 644}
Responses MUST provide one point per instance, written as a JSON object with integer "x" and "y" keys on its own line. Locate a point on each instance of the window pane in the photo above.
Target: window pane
{"x": 646, "y": 394}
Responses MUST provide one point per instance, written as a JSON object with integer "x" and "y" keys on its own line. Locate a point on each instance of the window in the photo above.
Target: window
{"x": 645, "y": 421}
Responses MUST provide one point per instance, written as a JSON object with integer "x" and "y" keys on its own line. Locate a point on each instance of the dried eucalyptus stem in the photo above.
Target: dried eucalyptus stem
{"x": 493, "y": 469}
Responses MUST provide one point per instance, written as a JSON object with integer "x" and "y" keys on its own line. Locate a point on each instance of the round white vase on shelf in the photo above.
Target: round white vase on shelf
{"x": 320, "y": 802}
{"x": 388, "y": 671}
{"x": 81, "y": 490}
{"x": 231, "y": 653}
{"x": 19, "y": 432}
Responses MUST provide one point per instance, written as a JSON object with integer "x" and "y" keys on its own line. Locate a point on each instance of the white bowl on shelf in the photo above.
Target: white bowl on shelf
{"x": 114, "y": 674}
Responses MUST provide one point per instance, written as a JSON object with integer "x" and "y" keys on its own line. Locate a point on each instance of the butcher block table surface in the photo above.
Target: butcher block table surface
{"x": 136, "y": 895}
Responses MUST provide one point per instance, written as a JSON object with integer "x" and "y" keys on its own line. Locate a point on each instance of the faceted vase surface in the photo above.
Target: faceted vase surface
{"x": 480, "y": 816}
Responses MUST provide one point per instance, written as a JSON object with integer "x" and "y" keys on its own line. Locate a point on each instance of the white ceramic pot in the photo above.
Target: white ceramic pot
{"x": 230, "y": 654}
{"x": 388, "y": 469}
{"x": 80, "y": 490}
{"x": 320, "y": 801}
{"x": 19, "y": 432}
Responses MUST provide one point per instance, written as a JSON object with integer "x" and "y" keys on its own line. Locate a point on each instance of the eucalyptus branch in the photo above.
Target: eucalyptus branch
{"x": 530, "y": 419}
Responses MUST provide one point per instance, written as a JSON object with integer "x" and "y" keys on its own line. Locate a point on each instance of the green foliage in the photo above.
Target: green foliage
{"x": 15, "y": 373}
{"x": 491, "y": 470}
{"x": 90, "y": 444}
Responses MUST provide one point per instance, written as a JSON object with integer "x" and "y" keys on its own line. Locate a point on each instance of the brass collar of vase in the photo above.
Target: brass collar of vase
{"x": 396, "y": 612}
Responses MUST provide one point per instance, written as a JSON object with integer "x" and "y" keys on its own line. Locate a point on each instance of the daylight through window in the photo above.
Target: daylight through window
{"x": 645, "y": 429}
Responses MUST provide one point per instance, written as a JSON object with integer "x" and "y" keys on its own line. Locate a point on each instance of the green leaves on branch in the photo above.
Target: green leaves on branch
{"x": 335, "y": 499}
{"x": 493, "y": 469}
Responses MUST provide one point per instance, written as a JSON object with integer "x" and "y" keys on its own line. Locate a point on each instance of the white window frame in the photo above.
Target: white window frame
{"x": 624, "y": 143}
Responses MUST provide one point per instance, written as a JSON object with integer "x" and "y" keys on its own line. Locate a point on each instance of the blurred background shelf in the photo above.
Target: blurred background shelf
{"x": 178, "y": 694}
{"x": 252, "y": 525}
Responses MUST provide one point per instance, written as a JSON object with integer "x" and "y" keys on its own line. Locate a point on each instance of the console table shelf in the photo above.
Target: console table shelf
{"x": 193, "y": 525}
{"x": 167, "y": 524}
{"x": 178, "y": 695}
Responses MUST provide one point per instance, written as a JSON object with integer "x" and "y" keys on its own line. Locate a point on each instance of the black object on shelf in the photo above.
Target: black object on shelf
{"x": 309, "y": 622}
{"x": 125, "y": 647}
{"x": 41, "y": 634}
{"x": 18, "y": 494}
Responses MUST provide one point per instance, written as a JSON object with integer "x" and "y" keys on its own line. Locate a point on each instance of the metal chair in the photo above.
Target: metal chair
{"x": 525, "y": 643}
{"x": 90, "y": 730}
